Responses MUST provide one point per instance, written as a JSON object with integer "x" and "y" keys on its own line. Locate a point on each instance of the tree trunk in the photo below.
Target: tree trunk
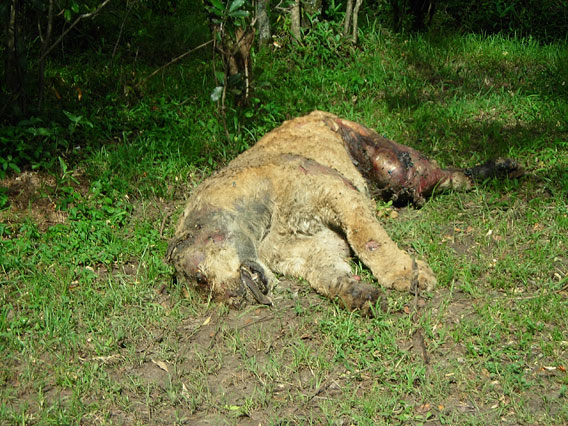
{"x": 14, "y": 63}
{"x": 351, "y": 19}
{"x": 295, "y": 21}
{"x": 355, "y": 20}
{"x": 347, "y": 21}
{"x": 396, "y": 12}
{"x": 262, "y": 22}
{"x": 45, "y": 41}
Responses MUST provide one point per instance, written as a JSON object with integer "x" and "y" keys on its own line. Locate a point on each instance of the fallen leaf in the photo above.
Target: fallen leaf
{"x": 424, "y": 408}
{"x": 184, "y": 391}
{"x": 207, "y": 321}
{"x": 161, "y": 364}
{"x": 232, "y": 407}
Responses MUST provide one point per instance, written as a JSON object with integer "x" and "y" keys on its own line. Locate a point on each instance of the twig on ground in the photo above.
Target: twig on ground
{"x": 263, "y": 319}
{"x": 163, "y": 224}
{"x": 419, "y": 338}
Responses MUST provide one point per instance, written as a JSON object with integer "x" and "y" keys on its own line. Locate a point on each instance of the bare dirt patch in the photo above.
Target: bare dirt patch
{"x": 28, "y": 195}
{"x": 33, "y": 195}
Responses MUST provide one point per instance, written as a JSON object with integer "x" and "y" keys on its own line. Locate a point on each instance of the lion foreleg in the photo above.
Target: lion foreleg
{"x": 393, "y": 267}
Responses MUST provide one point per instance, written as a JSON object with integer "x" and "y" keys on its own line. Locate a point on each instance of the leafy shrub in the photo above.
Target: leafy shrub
{"x": 34, "y": 143}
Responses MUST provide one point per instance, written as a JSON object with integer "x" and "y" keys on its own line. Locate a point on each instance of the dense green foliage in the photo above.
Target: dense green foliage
{"x": 102, "y": 66}
{"x": 92, "y": 328}
{"x": 94, "y": 80}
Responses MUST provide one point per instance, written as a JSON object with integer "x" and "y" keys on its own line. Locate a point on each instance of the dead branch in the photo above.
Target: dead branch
{"x": 122, "y": 28}
{"x": 183, "y": 55}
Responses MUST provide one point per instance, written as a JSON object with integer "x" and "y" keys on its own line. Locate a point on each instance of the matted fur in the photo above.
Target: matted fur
{"x": 294, "y": 204}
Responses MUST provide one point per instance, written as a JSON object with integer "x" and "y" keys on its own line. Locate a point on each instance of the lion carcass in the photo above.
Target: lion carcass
{"x": 297, "y": 203}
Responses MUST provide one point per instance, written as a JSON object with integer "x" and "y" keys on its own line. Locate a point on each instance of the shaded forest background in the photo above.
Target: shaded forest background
{"x": 75, "y": 72}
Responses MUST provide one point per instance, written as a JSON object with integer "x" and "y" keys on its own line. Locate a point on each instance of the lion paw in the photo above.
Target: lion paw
{"x": 419, "y": 276}
{"x": 424, "y": 276}
{"x": 362, "y": 297}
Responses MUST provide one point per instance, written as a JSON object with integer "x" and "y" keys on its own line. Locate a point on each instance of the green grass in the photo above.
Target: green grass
{"x": 93, "y": 330}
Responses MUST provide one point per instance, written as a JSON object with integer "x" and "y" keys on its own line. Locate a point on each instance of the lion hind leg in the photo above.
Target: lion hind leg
{"x": 321, "y": 259}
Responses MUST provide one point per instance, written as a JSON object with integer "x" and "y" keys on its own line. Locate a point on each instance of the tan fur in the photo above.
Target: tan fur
{"x": 293, "y": 204}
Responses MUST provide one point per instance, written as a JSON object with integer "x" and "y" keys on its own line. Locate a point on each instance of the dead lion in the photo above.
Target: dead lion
{"x": 298, "y": 201}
